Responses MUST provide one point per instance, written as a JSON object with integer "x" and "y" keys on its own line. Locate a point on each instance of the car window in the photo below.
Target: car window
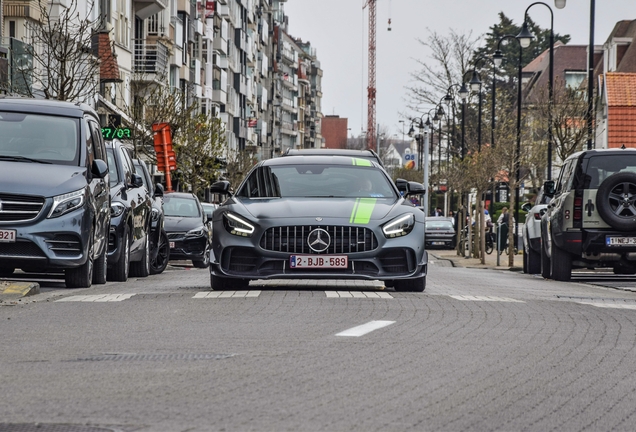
{"x": 98, "y": 141}
{"x": 602, "y": 166}
{"x": 440, "y": 224}
{"x": 143, "y": 176}
{"x": 317, "y": 181}
{"x": 112, "y": 167}
{"x": 42, "y": 137}
{"x": 180, "y": 207}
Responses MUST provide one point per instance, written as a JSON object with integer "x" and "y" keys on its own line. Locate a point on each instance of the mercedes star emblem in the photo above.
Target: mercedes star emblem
{"x": 319, "y": 240}
{"x": 318, "y": 219}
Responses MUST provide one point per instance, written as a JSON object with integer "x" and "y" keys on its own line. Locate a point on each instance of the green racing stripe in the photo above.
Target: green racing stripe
{"x": 361, "y": 162}
{"x": 362, "y": 210}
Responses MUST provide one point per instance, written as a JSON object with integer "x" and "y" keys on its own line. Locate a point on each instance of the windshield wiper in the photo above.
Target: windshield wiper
{"x": 22, "y": 159}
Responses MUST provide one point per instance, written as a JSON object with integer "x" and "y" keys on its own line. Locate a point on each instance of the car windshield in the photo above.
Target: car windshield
{"x": 317, "y": 181}
{"x": 440, "y": 224}
{"x": 38, "y": 137}
{"x": 180, "y": 207}
{"x": 601, "y": 167}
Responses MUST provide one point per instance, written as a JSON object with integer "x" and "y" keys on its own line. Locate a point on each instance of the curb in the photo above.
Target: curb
{"x": 11, "y": 290}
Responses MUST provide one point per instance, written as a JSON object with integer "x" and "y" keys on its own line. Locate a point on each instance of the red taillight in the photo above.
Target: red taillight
{"x": 578, "y": 208}
{"x": 537, "y": 216}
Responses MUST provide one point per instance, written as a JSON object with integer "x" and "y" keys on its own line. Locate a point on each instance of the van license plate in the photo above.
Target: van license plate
{"x": 7, "y": 236}
{"x": 172, "y": 245}
{"x": 620, "y": 241}
{"x": 318, "y": 261}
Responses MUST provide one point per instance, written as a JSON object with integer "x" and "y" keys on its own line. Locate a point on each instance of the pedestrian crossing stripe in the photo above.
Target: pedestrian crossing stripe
{"x": 609, "y": 305}
{"x": 485, "y": 298}
{"x": 98, "y": 298}
{"x": 358, "y": 294}
{"x": 227, "y": 294}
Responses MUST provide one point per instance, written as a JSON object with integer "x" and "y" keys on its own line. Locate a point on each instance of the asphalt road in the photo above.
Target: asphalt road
{"x": 479, "y": 350}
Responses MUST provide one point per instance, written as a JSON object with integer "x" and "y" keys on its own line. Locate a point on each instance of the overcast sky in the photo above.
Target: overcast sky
{"x": 338, "y": 29}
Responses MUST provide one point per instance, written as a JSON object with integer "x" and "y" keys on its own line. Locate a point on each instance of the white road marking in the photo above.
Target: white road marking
{"x": 485, "y": 298}
{"x": 609, "y": 305}
{"x": 358, "y": 294}
{"x": 365, "y": 328}
{"x": 97, "y": 298}
{"x": 227, "y": 294}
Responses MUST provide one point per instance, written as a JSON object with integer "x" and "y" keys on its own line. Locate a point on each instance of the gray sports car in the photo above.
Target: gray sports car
{"x": 318, "y": 217}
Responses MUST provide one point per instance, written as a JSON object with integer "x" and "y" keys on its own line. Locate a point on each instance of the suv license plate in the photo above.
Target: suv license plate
{"x": 7, "y": 236}
{"x": 620, "y": 241}
{"x": 172, "y": 245}
{"x": 318, "y": 261}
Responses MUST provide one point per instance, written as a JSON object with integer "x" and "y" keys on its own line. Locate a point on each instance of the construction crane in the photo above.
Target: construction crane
{"x": 371, "y": 133}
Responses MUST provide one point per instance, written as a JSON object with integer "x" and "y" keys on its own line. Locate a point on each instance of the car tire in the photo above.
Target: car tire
{"x": 533, "y": 262}
{"x": 100, "y": 266}
{"x": 205, "y": 262}
{"x": 545, "y": 259}
{"x": 160, "y": 262}
{"x": 119, "y": 271}
{"x": 142, "y": 268}
{"x": 617, "y": 211}
{"x": 220, "y": 283}
{"x": 410, "y": 285}
{"x": 82, "y": 276}
{"x": 560, "y": 264}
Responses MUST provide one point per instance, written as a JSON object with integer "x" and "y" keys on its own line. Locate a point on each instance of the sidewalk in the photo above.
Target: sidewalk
{"x": 490, "y": 260}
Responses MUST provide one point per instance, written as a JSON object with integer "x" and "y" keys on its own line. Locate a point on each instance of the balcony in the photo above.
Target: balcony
{"x": 147, "y": 8}
{"x": 219, "y": 44}
{"x": 17, "y": 57}
{"x": 21, "y": 9}
{"x": 150, "y": 59}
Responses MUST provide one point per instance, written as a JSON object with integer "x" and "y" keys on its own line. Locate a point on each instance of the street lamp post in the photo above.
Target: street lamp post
{"x": 525, "y": 37}
{"x": 560, "y": 4}
{"x": 518, "y": 148}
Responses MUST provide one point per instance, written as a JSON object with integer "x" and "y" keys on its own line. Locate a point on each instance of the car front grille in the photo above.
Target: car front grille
{"x": 21, "y": 249}
{"x": 344, "y": 239}
{"x": 19, "y": 208}
{"x": 65, "y": 245}
{"x": 176, "y": 235}
{"x": 242, "y": 259}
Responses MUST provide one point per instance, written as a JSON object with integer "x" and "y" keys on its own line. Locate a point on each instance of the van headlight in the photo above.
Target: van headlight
{"x": 237, "y": 226}
{"x": 400, "y": 226}
{"x": 197, "y": 232}
{"x": 66, "y": 203}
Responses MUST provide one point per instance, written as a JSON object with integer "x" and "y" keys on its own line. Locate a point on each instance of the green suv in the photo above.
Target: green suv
{"x": 591, "y": 221}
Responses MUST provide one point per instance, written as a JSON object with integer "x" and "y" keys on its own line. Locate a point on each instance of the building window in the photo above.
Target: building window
{"x": 121, "y": 24}
{"x": 574, "y": 79}
{"x": 153, "y": 24}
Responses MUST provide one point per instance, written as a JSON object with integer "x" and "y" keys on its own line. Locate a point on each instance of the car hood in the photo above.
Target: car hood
{"x": 40, "y": 179}
{"x": 181, "y": 224}
{"x": 343, "y": 208}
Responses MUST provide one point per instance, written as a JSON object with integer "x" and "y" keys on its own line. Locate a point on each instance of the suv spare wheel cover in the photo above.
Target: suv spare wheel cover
{"x": 616, "y": 201}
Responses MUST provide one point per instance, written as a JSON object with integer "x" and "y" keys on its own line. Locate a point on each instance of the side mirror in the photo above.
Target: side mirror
{"x": 221, "y": 187}
{"x": 402, "y": 185}
{"x": 549, "y": 188}
{"x": 159, "y": 190}
{"x": 209, "y": 215}
{"x": 99, "y": 168}
{"x": 415, "y": 188}
{"x": 136, "y": 181}
{"x": 526, "y": 207}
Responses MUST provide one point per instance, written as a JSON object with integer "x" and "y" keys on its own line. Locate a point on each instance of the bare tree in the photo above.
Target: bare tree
{"x": 239, "y": 162}
{"x": 63, "y": 66}
{"x": 198, "y": 146}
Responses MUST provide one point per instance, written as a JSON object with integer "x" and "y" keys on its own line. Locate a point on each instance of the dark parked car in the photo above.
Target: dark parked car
{"x": 54, "y": 197}
{"x": 440, "y": 232}
{"x": 159, "y": 243}
{"x": 188, "y": 228}
{"x": 130, "y": 216}
{"x": 318, "y": 217}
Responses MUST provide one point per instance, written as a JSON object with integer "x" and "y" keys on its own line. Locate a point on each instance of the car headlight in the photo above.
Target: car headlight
{"x": 63, "y": 204}
{"x": 237, "y": 226}
{"x": 197, "y": 232}
{"x": 400, "y": 226}
{"x": 116, "y": 209}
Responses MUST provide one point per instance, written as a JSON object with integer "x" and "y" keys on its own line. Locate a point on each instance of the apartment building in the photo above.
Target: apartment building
{"x": 234, "y": 58}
